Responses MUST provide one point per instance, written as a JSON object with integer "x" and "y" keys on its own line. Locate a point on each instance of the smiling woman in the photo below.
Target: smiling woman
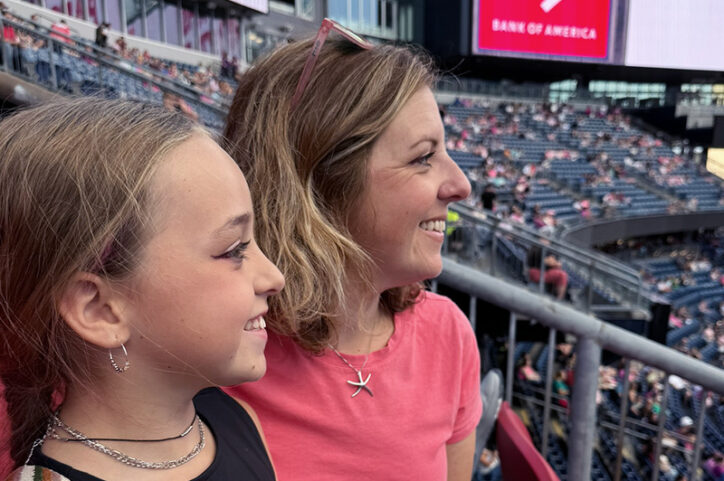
{"x": 129, "y": 281}
{"x": 384, "y": 376}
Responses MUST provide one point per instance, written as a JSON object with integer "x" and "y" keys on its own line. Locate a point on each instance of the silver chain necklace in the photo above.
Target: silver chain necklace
{"x": 361, "y": 383}
{"x": 55, "y": 422}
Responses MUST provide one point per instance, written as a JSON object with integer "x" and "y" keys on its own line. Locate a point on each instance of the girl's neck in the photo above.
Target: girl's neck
{"x": 136, "y": 404}
{"x": 124, "y": 408}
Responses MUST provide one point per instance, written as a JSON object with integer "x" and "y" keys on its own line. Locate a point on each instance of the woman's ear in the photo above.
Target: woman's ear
{"x": 90, "y": 307}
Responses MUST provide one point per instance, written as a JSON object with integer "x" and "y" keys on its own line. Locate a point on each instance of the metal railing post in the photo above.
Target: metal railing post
{"x": 509, "y": 374}
{"x": 549, "y": 391}
{"x": 542, "y": 267}
{"x": 583, "y": 409}
{"x": 493, "y": 249}
{"x": 622, "y": 422}
{"x": 51, "y": 62}
{"x": 660, "y": 428}
{"x": 3, "y": 52}
{"x": 473, "y": 311}
{"x": 589, "y": 293}
{"x": 696, "y": 457}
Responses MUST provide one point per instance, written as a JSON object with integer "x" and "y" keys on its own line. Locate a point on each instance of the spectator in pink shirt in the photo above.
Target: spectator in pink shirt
{"x": 369, "y": 376}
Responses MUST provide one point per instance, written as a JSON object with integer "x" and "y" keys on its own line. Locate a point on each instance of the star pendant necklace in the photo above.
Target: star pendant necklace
{"x": 361, "y": 383}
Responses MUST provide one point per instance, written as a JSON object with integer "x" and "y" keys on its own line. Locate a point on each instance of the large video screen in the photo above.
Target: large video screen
{"x": 572, "y": 29}
{"x": 672, "y": 34}
{"x": 684, "y": 34}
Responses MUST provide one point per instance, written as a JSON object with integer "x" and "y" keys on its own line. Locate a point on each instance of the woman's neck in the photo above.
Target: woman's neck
{"x": 363, "y": 325}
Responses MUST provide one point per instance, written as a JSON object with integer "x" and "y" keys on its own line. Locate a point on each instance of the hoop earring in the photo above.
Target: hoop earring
{"x": 116, "y": 367}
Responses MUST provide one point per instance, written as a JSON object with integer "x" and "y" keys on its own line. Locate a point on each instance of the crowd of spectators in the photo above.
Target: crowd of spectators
{"x": 214, "y": 83}
{"x": 217, "y": 84}
{"x": 520, "y": 146}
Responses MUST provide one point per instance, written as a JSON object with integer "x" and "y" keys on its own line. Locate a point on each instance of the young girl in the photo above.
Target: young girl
{"x": 129, "y": 281}
{"x": 370, "y": 377}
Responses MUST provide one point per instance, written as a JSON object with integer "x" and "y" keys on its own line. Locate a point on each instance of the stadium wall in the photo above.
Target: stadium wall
{"x": 606, "y": 231}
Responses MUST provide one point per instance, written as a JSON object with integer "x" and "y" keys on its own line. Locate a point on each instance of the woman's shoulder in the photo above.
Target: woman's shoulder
{"x": 438, "y": 315}
{"x": 430, "y": 304}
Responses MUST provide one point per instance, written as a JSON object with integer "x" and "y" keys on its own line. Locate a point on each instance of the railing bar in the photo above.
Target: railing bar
{"x": 548, "y": 392}
{"x": 696, "y": 457}
{"x": 566, "y": 248}
{"x": 622, "y": 421}
{"x": 509, "y": 374}
{"x": 660, "y": 428}
{"x": 567, "y": 319}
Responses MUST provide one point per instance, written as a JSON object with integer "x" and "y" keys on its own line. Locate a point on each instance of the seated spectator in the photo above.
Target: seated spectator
{"x": 121, "y": 46}
{"x": 516, "y": 215}
{"x": 668, "y": 472}
{"x": 488, "y": 197}
{"x": 102, "y": 34}
{"x": 60, "y": 31}
{"x": 526, "y": 372}
{"x": 555, "y": 278}
{"x": 173, "y": 102}
{"x": 561, "y": 388}
{"x": 714, "y": 466}
{"x": 489, "y": 466}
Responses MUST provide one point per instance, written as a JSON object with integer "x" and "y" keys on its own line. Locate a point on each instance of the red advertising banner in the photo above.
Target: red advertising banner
{"x": 576, "y": 28}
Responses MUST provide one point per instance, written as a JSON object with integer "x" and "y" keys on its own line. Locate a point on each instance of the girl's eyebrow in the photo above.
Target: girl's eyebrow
{"x": 233, "y": 223}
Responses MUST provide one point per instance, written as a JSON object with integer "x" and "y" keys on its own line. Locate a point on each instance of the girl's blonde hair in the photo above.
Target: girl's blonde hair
{"x": 74, "y": 179}
{"x": 307, "y": 169}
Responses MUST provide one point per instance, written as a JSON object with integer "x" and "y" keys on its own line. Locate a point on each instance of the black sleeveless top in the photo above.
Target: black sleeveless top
{"x": 240, "y": 453}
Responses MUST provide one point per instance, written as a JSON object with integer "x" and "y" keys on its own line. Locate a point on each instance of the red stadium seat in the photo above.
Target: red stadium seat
{"x": 5, "y": 462}
{"x": 519, "y": 459}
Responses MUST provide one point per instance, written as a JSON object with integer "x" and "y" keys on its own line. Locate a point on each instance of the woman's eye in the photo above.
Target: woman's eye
{"x": 424, "y": 160}
{"x": 236, "y": 251}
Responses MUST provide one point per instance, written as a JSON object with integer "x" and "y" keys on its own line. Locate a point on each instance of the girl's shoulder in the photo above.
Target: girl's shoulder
{"x": 33, "y": 472}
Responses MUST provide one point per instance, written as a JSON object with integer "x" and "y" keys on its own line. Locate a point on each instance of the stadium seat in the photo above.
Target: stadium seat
{"x": 5, "y": 461}
{"x": 519, "y": 458}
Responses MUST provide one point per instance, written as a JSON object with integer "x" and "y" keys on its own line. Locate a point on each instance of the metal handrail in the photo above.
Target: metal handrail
{"x": 593, "y": 335}
{"x": 572, "y": 251}
{"x": 620, "y": 281}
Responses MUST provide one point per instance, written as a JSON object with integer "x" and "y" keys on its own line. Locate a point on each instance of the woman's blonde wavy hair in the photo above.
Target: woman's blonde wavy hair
{"x": 307, "y": 170}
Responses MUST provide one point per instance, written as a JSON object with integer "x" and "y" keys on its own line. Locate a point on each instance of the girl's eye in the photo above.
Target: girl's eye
{"x": 236, "y": 251}
{"x": 424, "y": 160}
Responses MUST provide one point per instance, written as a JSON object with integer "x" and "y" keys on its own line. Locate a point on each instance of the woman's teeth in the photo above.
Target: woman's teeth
{"x": 433, "y": 225}
{"x": 254, "y": 324}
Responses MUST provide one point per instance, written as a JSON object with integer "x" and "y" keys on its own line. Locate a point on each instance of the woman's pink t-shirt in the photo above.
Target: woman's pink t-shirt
{"x": 426, "y": 395}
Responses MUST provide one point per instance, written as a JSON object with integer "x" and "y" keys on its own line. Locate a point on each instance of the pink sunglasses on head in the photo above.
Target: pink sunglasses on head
{"x": 327, "y": 26}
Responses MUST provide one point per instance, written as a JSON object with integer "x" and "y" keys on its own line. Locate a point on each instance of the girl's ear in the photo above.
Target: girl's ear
{"x": 90, "y": 307}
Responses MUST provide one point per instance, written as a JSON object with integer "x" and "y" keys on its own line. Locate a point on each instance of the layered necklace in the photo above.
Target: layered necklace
{"x": 94, "y": 443}
{"x": 361, "y": 383}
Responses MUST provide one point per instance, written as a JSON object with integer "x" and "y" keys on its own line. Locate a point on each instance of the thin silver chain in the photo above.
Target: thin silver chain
{"x": 121, "y": 457}
{"x": 347, "y": 362}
